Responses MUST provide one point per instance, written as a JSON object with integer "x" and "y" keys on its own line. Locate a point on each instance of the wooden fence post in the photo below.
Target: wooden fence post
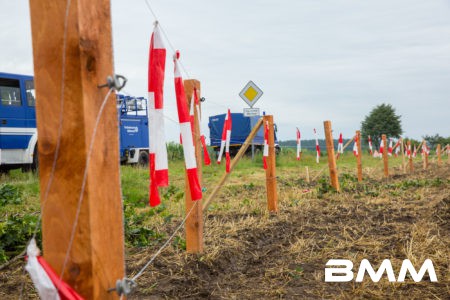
{"x": 194, "y": 223}
{"x": 359, "y": 157}
{"x": 385, "y": 156}
{"x": 425, "y": 156}
{"x": 271, "y": 179}
{"x": 402, "y": 149}
{"x": 410, "y": 158}
{"x": 331, "y": 156}
{"x": 438, "y": 150}
{"x": 96, "y": 257}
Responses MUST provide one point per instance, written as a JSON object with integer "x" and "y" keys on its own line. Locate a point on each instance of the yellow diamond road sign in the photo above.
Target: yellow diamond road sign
{"x": 251, "y": 93}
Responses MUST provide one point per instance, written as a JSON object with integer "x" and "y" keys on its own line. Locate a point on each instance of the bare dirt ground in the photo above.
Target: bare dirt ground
{"x": 250, "y": 254}
{"x": 253, "y": 255}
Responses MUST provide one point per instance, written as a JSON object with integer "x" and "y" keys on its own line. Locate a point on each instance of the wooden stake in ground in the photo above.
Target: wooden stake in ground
{"x": 438, "y": 151}
{"x": 410, "y": 158}
{"x": 95, "y": 260}
{"x": 402, "y": 148}
{"x": 359, "y": 157}
{"x": 331, "y": 156}
{"x": 271, "y": 179}
{"x": 234, "y": 162}
{"x": 385, "y": 157}
{"x": 194, "y": 223}
{"x": 425, "y": 155}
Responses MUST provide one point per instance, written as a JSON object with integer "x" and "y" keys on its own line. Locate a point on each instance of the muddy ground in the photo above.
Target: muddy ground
{"x": 251, "y": 254}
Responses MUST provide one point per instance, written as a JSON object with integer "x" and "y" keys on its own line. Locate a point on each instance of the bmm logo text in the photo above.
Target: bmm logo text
{"x": 345, "y": 273}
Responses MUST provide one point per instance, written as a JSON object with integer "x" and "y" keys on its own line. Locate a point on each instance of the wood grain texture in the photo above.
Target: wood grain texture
{"x": 96, "y": 258}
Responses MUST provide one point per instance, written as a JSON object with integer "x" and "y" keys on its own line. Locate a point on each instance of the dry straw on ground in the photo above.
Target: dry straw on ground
{"x": 250, "y": 254}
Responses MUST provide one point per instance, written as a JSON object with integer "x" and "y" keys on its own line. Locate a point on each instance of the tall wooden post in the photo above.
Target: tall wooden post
{"x": 438, "y": 150}
{"x": 271, "y": 180}
{"x": 194, "y": 223}
{"x": 385, "y": 156}
{"x": 331, "y": 156}
{"x": 96, "y": 258}
{"x": 358, "y": 159}
{"x": 402, "y": 148}
{"x": 410, "y": 158}
{"x": 425, "y": 156}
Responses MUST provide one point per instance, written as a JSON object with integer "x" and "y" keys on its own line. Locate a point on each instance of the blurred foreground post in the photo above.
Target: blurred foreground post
{"x": 69, "y": 102}
{"x": 331, "y": 156}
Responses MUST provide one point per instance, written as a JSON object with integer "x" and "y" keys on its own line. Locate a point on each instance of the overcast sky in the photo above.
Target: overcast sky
{"x": 315, "y": 60}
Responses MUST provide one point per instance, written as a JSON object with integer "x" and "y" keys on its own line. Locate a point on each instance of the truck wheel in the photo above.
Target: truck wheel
{"x": 143, "y": 159}
{"x": 35, "y": 164}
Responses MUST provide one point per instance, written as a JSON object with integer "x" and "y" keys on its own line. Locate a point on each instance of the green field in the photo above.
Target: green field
{"x": 250, "y": 253}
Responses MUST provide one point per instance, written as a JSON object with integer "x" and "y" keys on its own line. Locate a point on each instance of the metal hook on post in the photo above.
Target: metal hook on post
{"x": 124, "y": 286}
{"x": 116, "y": 82}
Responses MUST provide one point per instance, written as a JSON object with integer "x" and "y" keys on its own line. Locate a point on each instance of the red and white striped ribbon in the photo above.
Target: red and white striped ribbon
{"x": 186, "y": 134}
{"x": 390, "y": 148}
{"x": 317, "y": 147}
{"x": 370, "y": 145}
{"x": 408, "y": 151}
{"x": 340, "y": 148}
{"x": 266, "y": 144}
{"x": 414, "y": 154}
{"x": 45, "y": 279}
{"x": 425, "y": 149}
{"x": 299, "y": 144}
{"x": 355, "y": 147}
{"x": 397, "y": 148}
{"x": 381, "y": 147}
{"x": 225, "y": 142}
{"x": 159, "y": 174}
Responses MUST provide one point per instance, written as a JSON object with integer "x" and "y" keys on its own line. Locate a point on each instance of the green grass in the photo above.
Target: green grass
{"x": 145, "y": 225}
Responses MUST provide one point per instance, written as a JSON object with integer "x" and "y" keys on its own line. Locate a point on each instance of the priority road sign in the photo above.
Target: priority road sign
{"x": 251, "y": 93}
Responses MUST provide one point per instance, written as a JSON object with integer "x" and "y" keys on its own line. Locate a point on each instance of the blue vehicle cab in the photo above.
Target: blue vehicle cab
{"x": 18, "y": 134}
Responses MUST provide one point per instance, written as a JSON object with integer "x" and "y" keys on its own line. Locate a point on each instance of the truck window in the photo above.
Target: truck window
{"x": 31, "y": 95}
{"x": 10, "y": 92}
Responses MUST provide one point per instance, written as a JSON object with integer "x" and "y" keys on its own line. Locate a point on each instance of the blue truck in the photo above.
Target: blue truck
{"x": 241, "y": 128}
{"x": 133, "y": 123}
{"x": 18, "y": 133}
